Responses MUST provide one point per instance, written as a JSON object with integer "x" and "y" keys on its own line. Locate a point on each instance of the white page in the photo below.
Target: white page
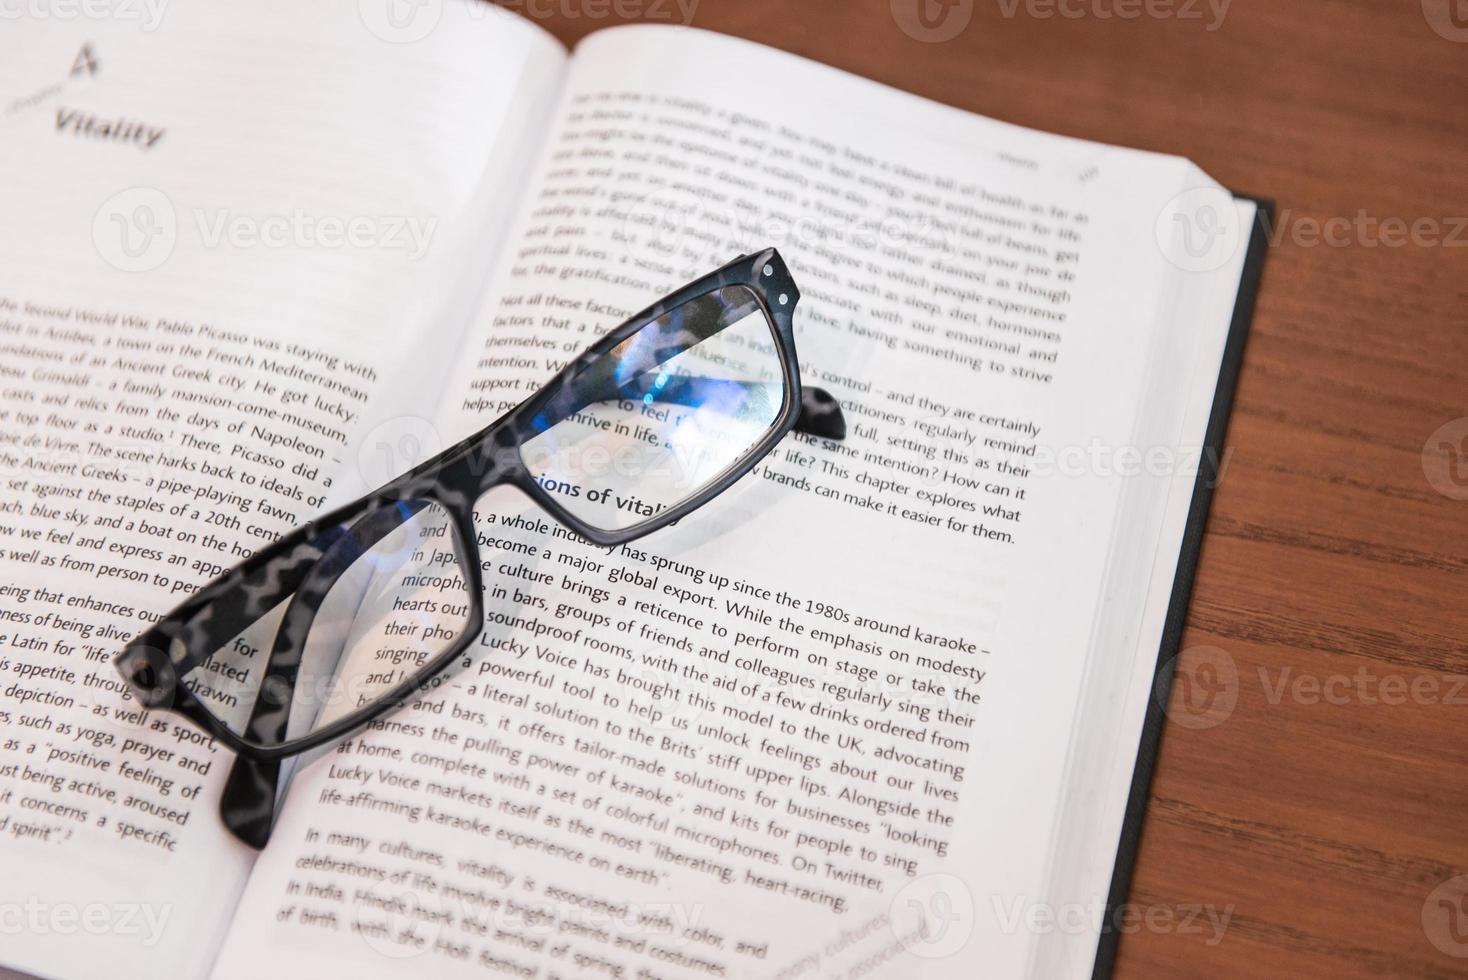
{"x": 227, "y": 210}
{"x": 520, "y": 849}
{"x": 1120, "y": 688}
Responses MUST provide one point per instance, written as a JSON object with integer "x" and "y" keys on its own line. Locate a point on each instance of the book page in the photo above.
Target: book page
{"x": 1149, "y": 537}
{"x": 821, "y": 727}
{"x": 225, "y": 232}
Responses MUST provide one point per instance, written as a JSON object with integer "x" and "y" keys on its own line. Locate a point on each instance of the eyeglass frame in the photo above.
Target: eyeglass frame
{"x": 455, "y": 480}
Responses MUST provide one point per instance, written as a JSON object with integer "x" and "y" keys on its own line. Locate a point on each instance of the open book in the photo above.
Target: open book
{"x": 876, "y": 711}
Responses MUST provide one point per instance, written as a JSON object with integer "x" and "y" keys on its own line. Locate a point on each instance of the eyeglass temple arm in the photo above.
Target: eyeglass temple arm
{"x": 247, "y": 803}
{"x": 820, "y": 412}
{"x": 282, "y": 576}
{"x": 629, "y": 372}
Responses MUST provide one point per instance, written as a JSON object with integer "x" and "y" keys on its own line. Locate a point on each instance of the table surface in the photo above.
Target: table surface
{"x": 1328, "y": 807}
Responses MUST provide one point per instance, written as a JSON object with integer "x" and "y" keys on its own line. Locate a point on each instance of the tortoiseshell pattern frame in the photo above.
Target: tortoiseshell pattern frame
{"x": 155, "y": 663}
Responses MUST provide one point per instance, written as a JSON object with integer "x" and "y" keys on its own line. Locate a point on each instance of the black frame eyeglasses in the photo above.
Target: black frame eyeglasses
{"x": 648, "y": 424}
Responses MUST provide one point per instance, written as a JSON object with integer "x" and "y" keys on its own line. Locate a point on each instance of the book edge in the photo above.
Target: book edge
{"x": 1153, "y": 724}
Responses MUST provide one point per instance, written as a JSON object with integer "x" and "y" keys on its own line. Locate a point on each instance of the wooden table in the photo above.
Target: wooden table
{"x": 1334, "y": 575}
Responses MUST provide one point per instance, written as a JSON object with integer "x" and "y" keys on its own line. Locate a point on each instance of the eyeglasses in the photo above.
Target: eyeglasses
{"x": 353, "y": 614}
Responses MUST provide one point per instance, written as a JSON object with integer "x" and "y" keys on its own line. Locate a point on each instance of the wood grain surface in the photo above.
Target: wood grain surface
{"x": 1326, "y": 813}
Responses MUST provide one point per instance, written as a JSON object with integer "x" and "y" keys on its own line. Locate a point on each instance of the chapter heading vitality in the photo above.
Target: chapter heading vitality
{"x": 119, "y": 130}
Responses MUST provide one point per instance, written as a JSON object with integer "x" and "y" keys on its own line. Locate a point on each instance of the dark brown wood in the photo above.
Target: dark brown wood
{"x": 1323, "y": 826}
